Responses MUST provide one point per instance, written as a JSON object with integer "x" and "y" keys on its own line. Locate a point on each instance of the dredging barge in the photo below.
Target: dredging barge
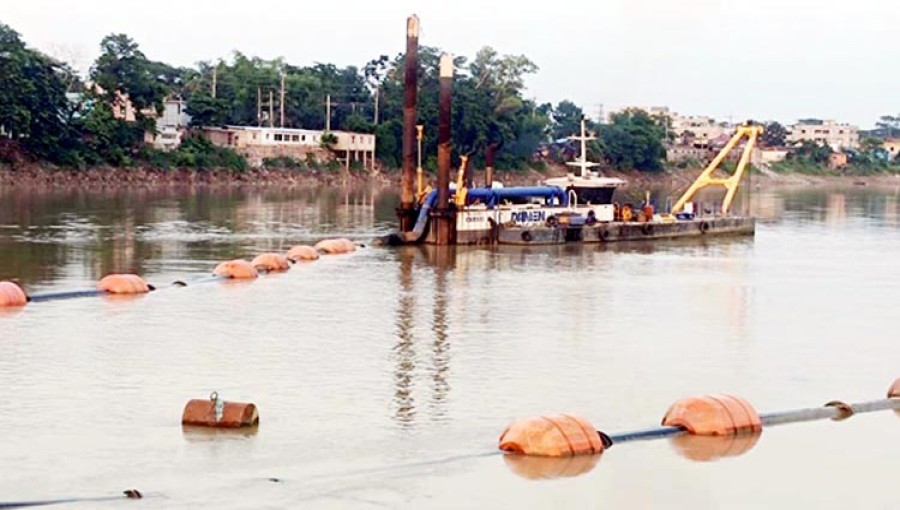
{"x": 577, "y": 208}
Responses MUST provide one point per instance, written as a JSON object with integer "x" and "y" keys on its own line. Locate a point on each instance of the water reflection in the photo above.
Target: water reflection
{"x": 81, "y": 235}
{"x": 441, "y": 262}
{"x": 711, "y": 448}
{"x": 544, "y": 468}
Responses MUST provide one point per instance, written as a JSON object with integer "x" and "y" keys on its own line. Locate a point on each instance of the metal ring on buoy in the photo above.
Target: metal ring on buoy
{"x": 704, "y": 226}
{"x": 526, "y": 236}
{"x": 845, "y": 409}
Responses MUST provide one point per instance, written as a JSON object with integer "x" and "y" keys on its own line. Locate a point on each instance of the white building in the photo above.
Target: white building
{"x": 837, "y": 136}
{"x": 171, "y": 125}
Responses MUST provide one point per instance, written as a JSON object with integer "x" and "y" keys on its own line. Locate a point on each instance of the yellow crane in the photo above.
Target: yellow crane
{"x": 731, "y": 183}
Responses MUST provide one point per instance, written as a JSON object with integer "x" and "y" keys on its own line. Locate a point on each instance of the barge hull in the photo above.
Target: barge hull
{"x": 610, "y": 232}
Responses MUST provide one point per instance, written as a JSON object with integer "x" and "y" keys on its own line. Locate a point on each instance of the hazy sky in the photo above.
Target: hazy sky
{"x": 759, "y": 59}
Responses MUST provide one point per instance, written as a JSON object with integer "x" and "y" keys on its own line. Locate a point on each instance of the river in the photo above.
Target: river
{"x": 385, "y": 377}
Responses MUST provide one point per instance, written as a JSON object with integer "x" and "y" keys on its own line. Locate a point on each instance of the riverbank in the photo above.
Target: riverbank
{"x": 34, "y": 175}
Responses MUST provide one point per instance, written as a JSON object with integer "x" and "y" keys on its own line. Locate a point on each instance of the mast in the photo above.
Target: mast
{"x": 582, "y": 161}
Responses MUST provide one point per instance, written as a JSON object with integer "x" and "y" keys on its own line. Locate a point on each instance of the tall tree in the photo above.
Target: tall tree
{"x": 123, "y": 69}
{"x": 775, "y": 135}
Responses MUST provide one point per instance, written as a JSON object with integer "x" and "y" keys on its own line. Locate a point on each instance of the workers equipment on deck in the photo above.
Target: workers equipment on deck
{"x": 705, "y": 179}
{"x": 236, "y": 270}
{"x": 124, "y": 284}
{"x": 12, "y": 295}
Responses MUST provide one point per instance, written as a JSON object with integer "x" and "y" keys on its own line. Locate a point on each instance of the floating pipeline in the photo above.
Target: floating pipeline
{"x": 129, "y": 494}
{"x": 13, "y": 296}
{"x": 722, "y": 417}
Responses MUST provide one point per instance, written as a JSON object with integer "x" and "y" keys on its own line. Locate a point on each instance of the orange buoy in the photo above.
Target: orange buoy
{"x": 302, "y": 254}
{"x": 562, "y": 435}
{"x": 123, "y": 284}
{"x": 547, "y": 468}
{"x": 217, "y": 413}
{"x": 713, "y": 415}
{"x": 271, "y": 262}
{"x": 336, "y": 246}
{"x": 709, "y": 448}
{"x": 894, "y": 391}
{"x": 12, "y": 295}
{"x": 237, "y": 270}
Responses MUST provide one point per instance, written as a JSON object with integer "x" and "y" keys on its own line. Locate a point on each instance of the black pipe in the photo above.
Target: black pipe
{"x": 129, "y": 494}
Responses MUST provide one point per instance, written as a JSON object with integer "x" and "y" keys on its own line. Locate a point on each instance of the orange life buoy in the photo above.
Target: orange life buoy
{"x": 336, "y": 246}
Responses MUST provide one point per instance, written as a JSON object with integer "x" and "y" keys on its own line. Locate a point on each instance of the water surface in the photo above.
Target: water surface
{"x": 382, "y": 376}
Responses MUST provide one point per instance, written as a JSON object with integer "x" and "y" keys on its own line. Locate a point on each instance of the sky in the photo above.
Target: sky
{"x": 758, "y": 59}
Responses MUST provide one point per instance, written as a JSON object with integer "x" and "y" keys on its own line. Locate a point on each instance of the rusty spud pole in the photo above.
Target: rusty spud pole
{"x": 489, "y": 165}
{"x": 444, "y": 221}
{"x": 410, "y": 92}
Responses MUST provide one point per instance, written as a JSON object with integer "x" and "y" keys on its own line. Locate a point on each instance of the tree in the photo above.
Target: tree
{"x": 889, "y": 125}
{"x": 206, "y": 110}
{"x": 811, "y": 152}
{"x": 566, "y": 120}
{"x": 775, "y": 135}
{"x": 33, "y": 104}
{"x": 634, "y": 139}
{"x": 123, "y": 69}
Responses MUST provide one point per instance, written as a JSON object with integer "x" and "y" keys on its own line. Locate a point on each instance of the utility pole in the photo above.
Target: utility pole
{"x": 281, "y": 101}
{"x": 328, "y": 113}
{"x": 377, "y": 94}
{"x": 258, "y": 106}
{"x": 271, "y": 108}
{"x": 215, "y": 76}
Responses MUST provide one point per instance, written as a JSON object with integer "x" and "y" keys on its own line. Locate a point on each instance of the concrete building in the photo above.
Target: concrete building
{"x": 171, "y": 125}
{"x": 259, "y": 143}
{"x": 828, "y": 132}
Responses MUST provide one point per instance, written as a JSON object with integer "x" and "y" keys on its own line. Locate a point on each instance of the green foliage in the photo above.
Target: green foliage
{"x": 206, "y": 110}
{"x": 33, "y": 105}
{"x": 566, "y": 120}
{"x": 810, "y": 152}
{"x": 123, "y": 69}
{"x": 775, "y": 135}
{"x": 328, "y": 141}
{"x": 284, "y": 162}
{"x": 634, "y": 140}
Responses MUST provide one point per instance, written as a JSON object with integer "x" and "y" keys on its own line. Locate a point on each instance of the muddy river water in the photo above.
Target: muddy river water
{"x": 384, "y": 377}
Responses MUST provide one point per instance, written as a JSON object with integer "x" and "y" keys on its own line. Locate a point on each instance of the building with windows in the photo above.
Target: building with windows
{"x": 828, "y": 132}
{"x": 260, "y": 143}
{"x": 171, "y": 125}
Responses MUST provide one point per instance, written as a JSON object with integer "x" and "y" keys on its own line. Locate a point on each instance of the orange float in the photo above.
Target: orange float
{"x": 302, "y": 254}
{"x": 12, "y": 295}
{"x": 561, "y": 435}
{"x": 237, "y": 270}
{"x": 271, "y": 263}
{"x": 217, "y": 413}
{"x": 713, "y": 415}
{"x": 894, "y": 391}
{"x": 124, "y": 284}
{"x": 336, "y": 246}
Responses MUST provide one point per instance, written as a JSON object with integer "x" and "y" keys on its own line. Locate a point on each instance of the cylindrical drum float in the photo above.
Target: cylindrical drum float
{"x": 217, "y": 413}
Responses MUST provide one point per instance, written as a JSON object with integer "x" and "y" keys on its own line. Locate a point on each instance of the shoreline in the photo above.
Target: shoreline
{"x": 38, "y": 176}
